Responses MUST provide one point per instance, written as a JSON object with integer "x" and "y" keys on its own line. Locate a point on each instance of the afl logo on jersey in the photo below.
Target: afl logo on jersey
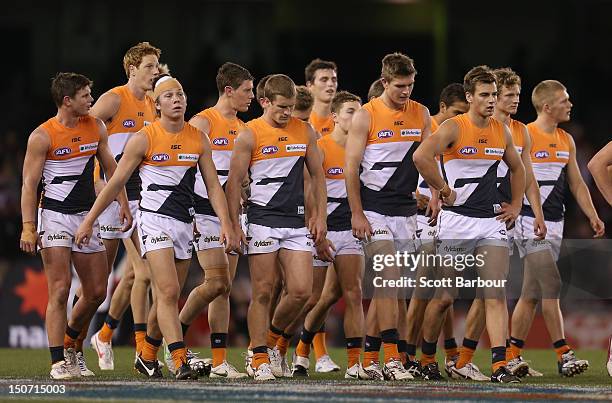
{"x": 385, "y": 134}
{"x": 129, "y": 123}
{"x": 335, "y": 171}
{"x": 62, "y": 151}
{"x": 160, "y": 157}
{"x": 468, "y": 150}
{"x": 269, "y": 150}
{"x": 220, "y": 141}
{"x": 542, "y": 154}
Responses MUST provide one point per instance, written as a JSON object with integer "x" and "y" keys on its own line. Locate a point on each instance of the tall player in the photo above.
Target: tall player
{"x": 322, "y": 81}
{"x": 126, "y": 109}
{"x": 61, "y": 151}
{"x": 380, "y": 180}
{"x": 553, "y": 157}
{"x": 471, "y": 222}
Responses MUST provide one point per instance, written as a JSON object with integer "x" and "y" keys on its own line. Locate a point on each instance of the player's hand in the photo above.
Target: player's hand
{"x": 539, "y": 228}
{"x": 230, "y": 238}
{"x": 432, "y": 210}
{"x": 242, "y": 238}
{"x": 125, "y": 214}
{"x": 325, "y": 250}
{"x": 29, "y": 238}
{"x": 508, "y": 213}
{"x": 422, "y": 201}
{"x": 450, "y": 199}
{"x": 598, "y": 227}
{"x": 83, "y": 233}
{"x": 362, "y": 229}
{"x": 318, "y": 229}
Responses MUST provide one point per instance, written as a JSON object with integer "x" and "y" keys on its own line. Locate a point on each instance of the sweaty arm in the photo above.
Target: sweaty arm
{"x": 314, "y": 164}
{"x": 239, "y": 165}
{"x": 600, "y": 166}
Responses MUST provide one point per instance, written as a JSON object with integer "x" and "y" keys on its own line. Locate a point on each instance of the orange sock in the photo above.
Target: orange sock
{"x": 69, "y": 342}
{"x": 318, "y": 343}
{"x": 514, "y": 351}
{"x": 283, "y": 344}
{"x": 369, "y": 356}
{"x": 561, "y": 350}
{"x": 302, "y": 349}
{"x": 390, "y": 352}
{"x": 427, "y": 359}
{"x": 353, "y": 356}
{"x": 139, "y": 337}
{"x": 451, "y": 353}
{"x": 260, "y": 358}
{"x": 272, "y": 338}
{"x": 179, "y": 356}
{"x": 466, "y": 355}
{"x": 149, "y": 351}
{"x": 218, "y": 355}
{"x": 495, "y": 366}
{"x": 106, "y": 333}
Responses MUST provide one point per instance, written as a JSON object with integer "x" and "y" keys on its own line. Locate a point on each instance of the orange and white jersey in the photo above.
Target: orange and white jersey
{"x": 388, "y": 175}
{"x": 470, "y": 167}
{"x": 323, "y": 125}
{"x": 338, "y": 210}
{"x": 517, "y": 129}
{"x": 168, "y": 171}
{"x": 132, "y": 116}
{"x": 222, "y": 135}
{"x": 423, "y": 188}
{"x": 550, "y": 154}
{"x": 277, "y": 174}
{"x": 68, "y": 169}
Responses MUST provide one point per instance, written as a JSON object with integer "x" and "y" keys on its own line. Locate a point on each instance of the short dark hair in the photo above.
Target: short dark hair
{"x": 479, "y": 74}
{"x": 279, "y": 84}
{"x": 318, "y": 64}
{"x": 376, "y": 89}
{"x": 453, "y": 93}
{"x": 304, "y": 99}
{"x": 397, "y": 65}
{"x": 67, "y": 85}
{"x": 232, "y": 75}
{"x": 341, "y": 98}
{"x": 259, "y": 91}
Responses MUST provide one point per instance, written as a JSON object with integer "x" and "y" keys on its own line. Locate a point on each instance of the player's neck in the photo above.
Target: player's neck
{"x": 478, "y": 119}
{"x": 339, "y": 136}
{"x": 172, "y": 125}
{"x": 272, "y": 123}
{"x": 225, "y": 108}
{"x": 545, "y": 123}
{"x": 438, "y": 117}
{"x": 389, "y": 103}
{"x": 322, "y": 109}
{"x": 67, "y": 118}
{"x": 502, "y": 116}
{"x": 138, "y": 92}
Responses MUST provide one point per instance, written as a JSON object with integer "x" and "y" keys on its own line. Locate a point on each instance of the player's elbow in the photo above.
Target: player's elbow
{"x": 593, "y": 166}
{"x": 419, "y": 158}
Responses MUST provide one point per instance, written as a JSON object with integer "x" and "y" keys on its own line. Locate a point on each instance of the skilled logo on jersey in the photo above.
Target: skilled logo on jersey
{"x": 129, "y": 123}
{"x": 293, "y": 148}
{"x": 269, "y": 150}
{"x": 562, "y": 154}
{"x": 542, "y": 154}
{"x": 494, "y": 151}
{"x": 189, "y": 157}
{"x": 468, "y": 150}
{"x": 259, "y": 244}
{"x": 88, "y": 147}
{"x": 160, "y": 157}
{"x": 220, "y": 141}
{"x": 410, "y": 132}
{"x": 62, "y": 151}
{"x": 335, "y": 171}
{"x": 385, "y": 134}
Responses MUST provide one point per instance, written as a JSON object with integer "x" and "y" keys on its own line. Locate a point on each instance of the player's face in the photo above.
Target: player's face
{"x": 456, "y": 108}
{"x": 81, "y": 102}
{"x": 399, "y": 88}
{"x": 302, "y": 115}
{"x": 280, "y": 109}
{"x": 561, "y": 107}
{"x": 324, "y": 85}
{"x": 146, "y": 72}
{"x": 508, "y": 99}
{"x": 344, "y": 117}
{"x": 242, "y": 96}
{"x": 483, "y": 99}
{"x": 172, "y": 103}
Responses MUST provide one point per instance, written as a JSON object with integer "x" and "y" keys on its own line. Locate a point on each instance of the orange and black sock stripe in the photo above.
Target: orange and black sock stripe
{"x": 498, "y": 357}
{"x": 218, "y": 347}
{"x": 561, "y": 347}
{"x": 428, "y": 352}
{"x": 371, "y": 351}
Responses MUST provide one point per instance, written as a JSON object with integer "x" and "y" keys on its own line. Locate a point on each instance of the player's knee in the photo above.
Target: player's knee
{"x": 300, "y": 296}
{"x": 218, "y": 286}
{"x": 58, "y": 295}
{"x": 352, "y": 296}
{"x": 168, "y": 294}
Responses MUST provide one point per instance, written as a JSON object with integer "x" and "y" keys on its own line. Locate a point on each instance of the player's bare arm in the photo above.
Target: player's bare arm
{"x": 314, "y": 164}
{"x": 509, "y": 212}
{"x": 106, "y": 106}
{"x": 200, "y": 123}
{"x": 433, "y": 205}
{"x": 239, "y": 165}
{"x": 36, "y": 154}
{"x": 600, "y": 166}
{"x": 532, "y": 190}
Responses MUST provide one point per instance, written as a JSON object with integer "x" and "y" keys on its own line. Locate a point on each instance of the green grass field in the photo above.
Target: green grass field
{"x": 22, "y": 366}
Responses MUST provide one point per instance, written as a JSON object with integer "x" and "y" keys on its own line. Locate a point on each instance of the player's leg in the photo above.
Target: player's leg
{"x": 139, "y": 297}
{"x": 475, "y": 323}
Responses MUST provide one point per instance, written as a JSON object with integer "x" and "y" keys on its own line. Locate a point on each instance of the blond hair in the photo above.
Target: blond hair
{"x": 544, "y": 92}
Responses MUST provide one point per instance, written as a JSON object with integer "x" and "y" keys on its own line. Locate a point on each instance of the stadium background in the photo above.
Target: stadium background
{"x": 540, "y": 40}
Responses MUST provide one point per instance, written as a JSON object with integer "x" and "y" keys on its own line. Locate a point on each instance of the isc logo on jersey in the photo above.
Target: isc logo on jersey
{"x": 385, "y": 134}
{"x": 542, "y": 154}
{"x": 220, "y": 141}
{"x": 160, "y": 157}
{"x": 62, "y": 151}
{"x": 128, "y": 123}
{"x": 468, "y": 150}
{"x": 269, "y": 150}
{"x": 335, "y": 171}
{"x": 293, "y": 148}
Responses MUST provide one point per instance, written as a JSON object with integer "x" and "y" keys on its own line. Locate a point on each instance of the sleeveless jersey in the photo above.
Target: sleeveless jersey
{"x": 338, "y": 210}
{"x": 277, "y": 174}
{"x": 549, "y": 156}
{"x": 517, "y": 129}
{"x": 168, "y": 171}
{"x": 323, "y": 125}
{"x": 222, "y": 135}
{"x": 470, "y": 168}
{"x": 423, "y": 188}
{"x": 68, "y": 169}
{"x": 132, "y": 116}
{"x": 387, "y": 173}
